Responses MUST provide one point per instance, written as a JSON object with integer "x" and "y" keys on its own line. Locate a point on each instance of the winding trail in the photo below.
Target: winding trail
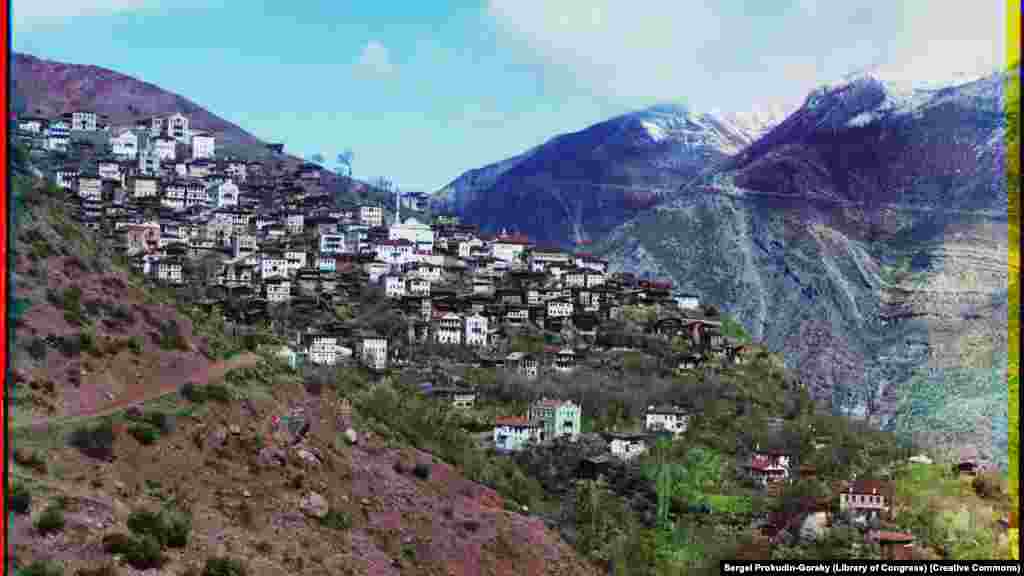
{"x": 202, "y": 377}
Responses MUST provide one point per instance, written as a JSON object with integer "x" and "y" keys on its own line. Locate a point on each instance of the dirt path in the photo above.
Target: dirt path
{"x": 202, "y": 377}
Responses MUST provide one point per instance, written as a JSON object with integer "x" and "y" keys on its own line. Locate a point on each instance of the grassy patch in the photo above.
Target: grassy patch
{"x": 41, "y": 568}
{"x": 19, "y": 499}
{"x": 52, "y": 519}
{"x": 224, "y": 567}
{"x": 336, "y": 520}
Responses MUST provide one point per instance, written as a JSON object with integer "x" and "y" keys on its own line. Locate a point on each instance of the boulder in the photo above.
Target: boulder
{"x": 314, "y": 505}
{"x": 351, "y": 436}
{"x": 307, "y": 457}
{"x": 270, "y": 456}
{"x": 217, "y": 438}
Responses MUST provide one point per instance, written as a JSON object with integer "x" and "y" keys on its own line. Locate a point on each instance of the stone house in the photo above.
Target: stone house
{"x": 515, "y": 433}
{"x": 673, "y": 419}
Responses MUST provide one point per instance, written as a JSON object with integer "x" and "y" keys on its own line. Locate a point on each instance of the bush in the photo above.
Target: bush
{"x": 224, "y": 567}
{"x": 421, "y": 471}
{"x": 51, "y": 520}
{"x": 218, "y": 393}
{"x": 95, "y": 441}
{"x": 337, "y": 520}
{"x": 141, "y": 553}
{"x": 987, "y": 486}
{"x": 19, "y": 499}
{"x": 170, "y": 337}
{"x": 41, "y": 568}
{"x": 30, "y": 459}
{"x": 144, "y": 433}
{"x": 162, "y": 421}
{"x": 108, "y": 569}
{"x": 193, "y": 393}
{"x": 167, "y": 529}
{"x": 37, "y": 348}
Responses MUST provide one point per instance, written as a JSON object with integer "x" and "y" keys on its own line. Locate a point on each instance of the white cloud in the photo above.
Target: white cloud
{"x": 375, "y": 61}
{"x": 31, "y": 12}
{"x": 643, "y": 50}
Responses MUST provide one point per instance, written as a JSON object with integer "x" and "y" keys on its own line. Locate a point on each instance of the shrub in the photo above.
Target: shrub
{"x": 41, "y": 568}
{"x": 144, "y": 433}
{"x": 337, "y": 520}
{"x": 51, "y": 520}
{"x": 987, "y": 486}
{"x": 30, "y": 459}
{"x": 37, "y": 348}
{"x": 142, "y": 553}
{"x": 108, "y": 569}
{"x": 162, "y": 421}
{"x": 19, "y": 499}
{"x": 170, "y": 337}
{"x": 95, "y": 441}
{"x": 168, "y": 529}
{"x": 218, "y": 393}
{"x": 135, "y": 345}
{"x": 224, "y": 567}
{"x": 193, "y": 393}
{"x": 421, "y": 470}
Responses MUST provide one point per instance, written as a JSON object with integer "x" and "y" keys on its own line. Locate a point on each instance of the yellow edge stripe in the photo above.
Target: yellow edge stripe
{"x": 1012, "y": 99}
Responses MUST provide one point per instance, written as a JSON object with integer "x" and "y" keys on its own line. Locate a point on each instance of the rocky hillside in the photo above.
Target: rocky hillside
{"x": 103, "y": 431}
{"x": 865, "y": 237}
{"x": 579, "y": 186}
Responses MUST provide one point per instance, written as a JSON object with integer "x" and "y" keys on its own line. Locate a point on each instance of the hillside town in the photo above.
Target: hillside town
{"x": 252, "y": 237}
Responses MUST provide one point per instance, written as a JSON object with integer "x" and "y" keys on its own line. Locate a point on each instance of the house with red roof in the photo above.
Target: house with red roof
{"x": 513, "y": 433}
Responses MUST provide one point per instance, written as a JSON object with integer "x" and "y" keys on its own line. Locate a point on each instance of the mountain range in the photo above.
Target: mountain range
{"x": 864, "y": 236}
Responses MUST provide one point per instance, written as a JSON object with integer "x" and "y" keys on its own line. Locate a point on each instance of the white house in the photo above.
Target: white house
{"x": 169, "y": 270}
{"x": 273, "y": 265}
{"x": 295, "y": 222}
{"x": 417, "y": 286}
{"x": 145, "y": 187}
{"x": 559, "y": 308}
{"x": 371, "y": 216}
{"x": 513, "y": 434}
{"x": 225, "y": 195}
{"x": 296, "y": 259}
{"x": 565, "y": 360}
{"x": 32, "y": 125}
{"x": 90, "y": 187}
{"x": 244, "y": 245}
{"x": 83, "y": 121}
{"x": 466, "y": 247}
{"x": 867, "y": 498}
{"x": 278, "y": 289}
{"x": 524, "y": 364}
{"x": 322, "y": 348}
{"x": 66, "y": 178}
{"x": 768, "y": 467}
{"x": 375, "y": 270}
{"x": 394, "y": 286}
{"x": 421, "y": 235}
{"x": 166, "y": 148}
{"x": 394, "y": 251}
{"x": 540, "y": 259}
{"x": 626, "y": 446}
{"x": 58, "y": 135}
{"x": 476, "y": 330}
{"x": 332, "y": 243}
{"x": 508, "y": 248}
{"x": 177, "y": 127}
{"x": 125, "y": 145}
{"x": 326, "y": 263}
{"x": 375, "y": 351}
{"x": 686, "y": 301}
{"x": 671, "y": 418}
{"x": 449, "y": 329}
{"x": 149, "y": 162}
{"x": 202, "y": 146}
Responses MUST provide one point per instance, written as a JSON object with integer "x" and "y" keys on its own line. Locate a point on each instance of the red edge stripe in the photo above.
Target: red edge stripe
{"x": 5, "y": 39}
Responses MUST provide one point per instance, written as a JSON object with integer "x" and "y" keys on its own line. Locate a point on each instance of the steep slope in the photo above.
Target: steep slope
{"x": 579, "y": 186}
{"x": 280, "y": 501}
{"x": 865, "y": 237}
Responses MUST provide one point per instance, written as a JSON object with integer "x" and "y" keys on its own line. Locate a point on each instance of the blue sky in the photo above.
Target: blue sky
{"x": 422, "y": 91}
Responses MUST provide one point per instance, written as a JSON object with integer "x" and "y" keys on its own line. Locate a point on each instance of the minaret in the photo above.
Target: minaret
{"x": 398, "y": 205}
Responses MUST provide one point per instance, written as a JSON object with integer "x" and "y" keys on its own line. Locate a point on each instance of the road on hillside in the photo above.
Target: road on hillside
{"x": 205, "y": 376}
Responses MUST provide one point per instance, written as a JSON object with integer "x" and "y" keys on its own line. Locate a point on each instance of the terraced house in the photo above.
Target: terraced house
{"x": 559, "y": 418}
